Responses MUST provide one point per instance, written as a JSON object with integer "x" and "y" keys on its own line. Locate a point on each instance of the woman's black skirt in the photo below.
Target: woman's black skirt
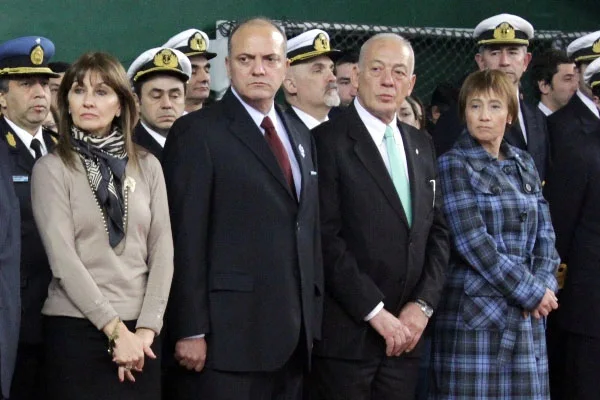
{"x": 78, "y": 366}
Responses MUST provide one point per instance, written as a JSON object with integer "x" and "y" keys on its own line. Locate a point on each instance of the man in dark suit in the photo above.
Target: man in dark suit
{"x": 158, "y": 77}
{"x": 385, "y": 242}
{"x": 246, "y": 298}
{"x": 503, "y": 41}
{"x": 570, "y": 130}
{"x": 573, "y": 194}
{"x": 310, "y": 87}
{"x": 580, "y": 115}
{"x": 10, "y": 251}
{"x": 25, "y": 92}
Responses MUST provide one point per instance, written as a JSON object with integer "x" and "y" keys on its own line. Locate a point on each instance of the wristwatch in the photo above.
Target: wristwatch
{"x": 426, "y": 308}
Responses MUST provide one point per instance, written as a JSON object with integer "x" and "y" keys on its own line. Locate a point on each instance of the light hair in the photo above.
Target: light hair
{"x": 489, "y": 81}
{"x": 386, "y": 36}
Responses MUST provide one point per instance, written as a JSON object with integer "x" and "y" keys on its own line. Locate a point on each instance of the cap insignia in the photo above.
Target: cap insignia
{"x": 10, "y": 139}
{"x": 197, "y": 42}
{"x": 596, "y": 46}
{"x": 37, "y": 55}
{"x": 504, "y": 31}
{"x": 321, "y": 43}
{"x": 166, "y": 58}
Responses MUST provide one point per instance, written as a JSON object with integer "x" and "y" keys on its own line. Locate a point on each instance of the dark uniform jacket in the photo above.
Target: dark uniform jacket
{"x": 144, "y": 139}
{"x": 35, "y": 269}
{"x": 10, "y": 252}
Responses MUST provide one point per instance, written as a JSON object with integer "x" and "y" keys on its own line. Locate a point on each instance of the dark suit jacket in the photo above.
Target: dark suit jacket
{"x": 449, "y": 127}
{"x": 369, "y": 252}
{"x": 573, "y": 192}
{"x": 35, "y": 269}
{"x": 568, "y": 125}
{"x": 144, "y": 139}
{"x": 10, "y": 252}
{"x": 247, "y": 254}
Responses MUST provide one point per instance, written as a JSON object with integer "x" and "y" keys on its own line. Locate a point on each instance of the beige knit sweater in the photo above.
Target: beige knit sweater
{"x": 90, "y": 279}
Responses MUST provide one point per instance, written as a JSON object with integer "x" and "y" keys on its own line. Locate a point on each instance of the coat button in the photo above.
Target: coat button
{"x": 496, "y": 190}
{"x": 523, "y": 216}
{"x": 507, "y": 170}
{"x": 528, "y": 188}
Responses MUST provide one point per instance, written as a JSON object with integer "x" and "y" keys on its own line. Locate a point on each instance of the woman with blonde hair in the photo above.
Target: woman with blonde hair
{"x": 101, "y": 207}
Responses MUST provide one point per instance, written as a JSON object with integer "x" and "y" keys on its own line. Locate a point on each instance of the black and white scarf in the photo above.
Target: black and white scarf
{"x": 105, "y": 159}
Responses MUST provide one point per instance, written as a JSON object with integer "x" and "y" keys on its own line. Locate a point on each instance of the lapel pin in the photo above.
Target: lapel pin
{"x": 417, "y": 151}
{"x": 129, "y": 184}
{"x": 10, "y": 139}
{"x": 301, "y": 150}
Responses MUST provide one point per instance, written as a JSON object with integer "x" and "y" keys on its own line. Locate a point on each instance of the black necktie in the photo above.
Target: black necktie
{"x": 36, "y": 146}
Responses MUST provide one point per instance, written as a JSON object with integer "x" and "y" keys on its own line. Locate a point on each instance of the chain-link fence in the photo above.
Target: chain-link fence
{"x": 442, "y": 54}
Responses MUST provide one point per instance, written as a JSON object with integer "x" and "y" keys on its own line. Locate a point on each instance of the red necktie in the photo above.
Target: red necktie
{"x": 279, "y": 151}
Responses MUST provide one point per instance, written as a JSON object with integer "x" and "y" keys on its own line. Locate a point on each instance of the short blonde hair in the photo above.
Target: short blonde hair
{"x": 486, "y": 81}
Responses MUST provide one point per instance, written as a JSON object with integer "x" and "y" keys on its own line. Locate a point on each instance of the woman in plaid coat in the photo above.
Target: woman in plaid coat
{"x": 489, "y": 340}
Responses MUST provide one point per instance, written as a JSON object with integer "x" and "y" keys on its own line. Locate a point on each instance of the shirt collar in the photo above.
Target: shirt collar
{"x": 310, "y": 121}
{"x": 256, "y": 115}
{"x": 373, "y": 124}
{"x": 544, "y": 109}
{"x": 589, "y": 103}
{"x": 25, "y": 136}
{"x": 155, "y": 135}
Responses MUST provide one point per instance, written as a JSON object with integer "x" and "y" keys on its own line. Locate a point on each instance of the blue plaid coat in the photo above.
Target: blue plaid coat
{"x": 503, "y": 260}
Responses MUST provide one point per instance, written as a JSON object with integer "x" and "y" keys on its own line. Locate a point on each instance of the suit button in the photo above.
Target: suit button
{"x": 507, "y": 170}
{"x": 528, "y": 188}
{"x": 496, "y": 190}
{"x": 523, "y": 216}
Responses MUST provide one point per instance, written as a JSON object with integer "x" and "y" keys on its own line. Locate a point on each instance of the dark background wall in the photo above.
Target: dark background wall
{"x": 126, "y": 28}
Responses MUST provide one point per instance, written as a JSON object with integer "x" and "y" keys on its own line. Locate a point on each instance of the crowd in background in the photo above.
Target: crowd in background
{"x": 346, "y": 242}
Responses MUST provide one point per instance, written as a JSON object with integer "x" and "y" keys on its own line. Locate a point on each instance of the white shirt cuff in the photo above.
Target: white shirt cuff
{"x": 373, "y": 313}
{"x": 195, "y": 337}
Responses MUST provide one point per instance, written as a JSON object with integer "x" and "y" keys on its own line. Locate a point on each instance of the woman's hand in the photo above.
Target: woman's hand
{"x": 147, "y": 337}
{"x": 128, "y": 350}
{"x": 548, "y": 304}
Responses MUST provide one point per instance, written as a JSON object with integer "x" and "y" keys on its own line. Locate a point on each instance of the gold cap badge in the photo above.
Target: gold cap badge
{"x": 504, "y": 31}
{"x": 197, "y": 42}
{"x": 10, "y": 139}
{"x": 596, "y": 46}
{"x": 166, "y": 58}
{"x": 321, "y": 43}
{"x": 37, "y": 55}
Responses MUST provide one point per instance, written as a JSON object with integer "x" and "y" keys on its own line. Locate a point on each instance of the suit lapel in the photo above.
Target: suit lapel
{"x": 369, "y": 155}
{"x": 587, "y": 119}
{"x": 243, "y": 127}
{"x": 299, "y": 148}
{"x": 414, "y": 173}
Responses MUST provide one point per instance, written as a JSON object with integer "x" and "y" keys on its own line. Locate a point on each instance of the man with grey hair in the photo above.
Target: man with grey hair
{"x": 246, "y": 298}
{"x": 385, "y": 242}
{"x": 502, "y": 41}
{"x": 310, "y": 86}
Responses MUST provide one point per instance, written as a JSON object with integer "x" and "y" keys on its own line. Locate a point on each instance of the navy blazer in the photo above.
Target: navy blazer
{"x": 144, "y": 139}
{"x": 370, "y": 253}
{"x": 35, "y": 269}
{"x": 10, "y": 252}
{"x": 247, "y": 251}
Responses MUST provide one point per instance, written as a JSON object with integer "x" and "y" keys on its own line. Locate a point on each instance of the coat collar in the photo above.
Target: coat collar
{"x": 479, "y": 158}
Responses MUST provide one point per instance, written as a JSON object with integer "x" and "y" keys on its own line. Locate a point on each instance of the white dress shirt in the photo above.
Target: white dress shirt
{"x": 589, "y": 103}
{"x": 27, "y": 138}
{"x": 543, "y": 108}
{"x": 160, "y": 139}
{"x": 258, "y": 117}
{"x": 376, "y": 129}
{"x": 310, "y": 121}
